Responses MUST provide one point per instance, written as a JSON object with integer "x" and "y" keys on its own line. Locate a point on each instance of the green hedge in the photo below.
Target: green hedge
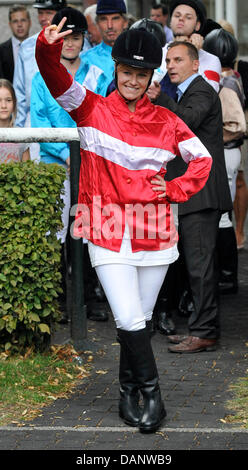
{"x": 30, "y": 216}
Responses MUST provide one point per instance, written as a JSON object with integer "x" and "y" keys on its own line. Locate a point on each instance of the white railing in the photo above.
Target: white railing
{"x": 40, "y": 134}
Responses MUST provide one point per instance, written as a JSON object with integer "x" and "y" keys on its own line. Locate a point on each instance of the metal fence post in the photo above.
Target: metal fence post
{"x": 78, "y": 308}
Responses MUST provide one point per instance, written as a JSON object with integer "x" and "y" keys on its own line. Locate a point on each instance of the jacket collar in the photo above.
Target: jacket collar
{"x": 182, "y": 87}
{"x": 195, "y": 79}
{"x": 119, "y": 106}
{"x": 105, "y": 46}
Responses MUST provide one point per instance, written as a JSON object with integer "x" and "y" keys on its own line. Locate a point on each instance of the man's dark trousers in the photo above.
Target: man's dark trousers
{"x": 200, "y": 108}
{"x": 198, "y": 234}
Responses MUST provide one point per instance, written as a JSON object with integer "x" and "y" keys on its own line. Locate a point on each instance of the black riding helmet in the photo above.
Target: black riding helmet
{"x": 76, "y": 21}
{"x": 197, "y": 5}
{"x": 152, "y": 27}
{"x": 222, "y": 44}
{"x": 50, "y": 4}
{"x": 138, "y": 48}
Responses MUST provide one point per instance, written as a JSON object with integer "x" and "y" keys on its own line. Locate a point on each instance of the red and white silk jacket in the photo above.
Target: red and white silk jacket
{"x": 121, "y": 152}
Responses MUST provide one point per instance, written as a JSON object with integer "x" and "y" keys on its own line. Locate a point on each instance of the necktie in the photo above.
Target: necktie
{"x": 179, "y": 94}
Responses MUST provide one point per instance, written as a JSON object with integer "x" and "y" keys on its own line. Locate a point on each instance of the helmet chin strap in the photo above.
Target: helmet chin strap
{"x": 71, "y": 59}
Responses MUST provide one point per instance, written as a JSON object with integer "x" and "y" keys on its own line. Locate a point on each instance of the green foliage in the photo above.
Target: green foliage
{"x": 30, "y": 216}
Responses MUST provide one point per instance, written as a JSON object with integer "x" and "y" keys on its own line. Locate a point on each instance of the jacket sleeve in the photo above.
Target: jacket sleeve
{"x": 212, "y": 72}
{"x": 194, "y": 112}
{"x": 1, "y": 65}
{"x": 199, "y": 163}
{"x": 234, "y": 123}
{"x": 40, "y": 117}
{"x": 68, "y": 93}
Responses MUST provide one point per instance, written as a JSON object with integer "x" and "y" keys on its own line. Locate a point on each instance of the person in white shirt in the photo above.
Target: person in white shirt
{"x": 19, "y": 23}
{"x": 26, "y": 66}
{"x": 187, "y": 23}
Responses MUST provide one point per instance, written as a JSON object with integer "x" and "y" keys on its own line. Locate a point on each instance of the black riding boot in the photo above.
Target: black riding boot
{"x": 150, "y": 327}
{"x": 129, "y": 409}
{"x": 228, "y": 261}
{"x": 137, "y": 346}
{"x": 166, "y": 302}
{"x": 164, "y": 321}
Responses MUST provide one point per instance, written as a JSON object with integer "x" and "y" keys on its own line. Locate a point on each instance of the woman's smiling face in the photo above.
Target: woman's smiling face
{"x": 132, "y": 81}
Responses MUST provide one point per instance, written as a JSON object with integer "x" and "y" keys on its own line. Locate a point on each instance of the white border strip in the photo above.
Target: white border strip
{"x": 73, "y": 97}
{"x": 192, "y": 148}
{"x": 121, "y": 429}
{"x": 131, "y": 157}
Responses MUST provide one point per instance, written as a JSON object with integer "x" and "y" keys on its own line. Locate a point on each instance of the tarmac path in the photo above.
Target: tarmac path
{"x": 195, "y": 388}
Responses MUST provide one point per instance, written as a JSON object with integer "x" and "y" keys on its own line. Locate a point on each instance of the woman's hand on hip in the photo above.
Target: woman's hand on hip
{"x": 160, "y": 185}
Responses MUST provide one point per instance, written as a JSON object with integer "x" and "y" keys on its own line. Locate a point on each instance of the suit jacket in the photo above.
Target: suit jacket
{"x": 6, "y": 60}
{"x": 200, "y": 108}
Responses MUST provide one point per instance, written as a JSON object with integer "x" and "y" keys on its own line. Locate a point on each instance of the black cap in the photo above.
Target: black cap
{"x": 76, "y": 21}
{"x": 222, "y": 44}
{"x": 110, "y": 6}
{"x": 209, "y": 26}
{"x": 153, "y": 27}
{"x": 138, "y": 48}
{"x": 50, "y": 4}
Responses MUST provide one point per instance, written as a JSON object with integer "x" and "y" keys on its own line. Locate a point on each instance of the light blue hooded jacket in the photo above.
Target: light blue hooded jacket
{"x": 100, "y": 56}
{"x": 46, "y": 112}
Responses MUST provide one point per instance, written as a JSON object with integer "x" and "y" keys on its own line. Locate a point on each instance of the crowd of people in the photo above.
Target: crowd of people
{"x": 160, "y": 106}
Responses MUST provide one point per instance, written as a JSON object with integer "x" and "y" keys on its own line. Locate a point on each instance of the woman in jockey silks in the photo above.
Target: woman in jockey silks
{"x": 124, "y": 203}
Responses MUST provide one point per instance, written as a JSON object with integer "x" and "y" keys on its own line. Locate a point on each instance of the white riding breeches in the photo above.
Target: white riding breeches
{"x": 132, "y": 292}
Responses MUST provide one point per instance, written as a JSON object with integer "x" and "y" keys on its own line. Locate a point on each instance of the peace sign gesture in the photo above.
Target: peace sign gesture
{"x": 52, "y": 33}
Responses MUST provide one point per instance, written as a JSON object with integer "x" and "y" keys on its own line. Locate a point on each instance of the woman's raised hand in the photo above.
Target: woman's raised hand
{"x": 52, "y": 33}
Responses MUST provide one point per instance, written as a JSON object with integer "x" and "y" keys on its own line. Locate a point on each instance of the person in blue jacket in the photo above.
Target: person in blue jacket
{"x": 26, "y": 66}
{"x": 45, "y": 112}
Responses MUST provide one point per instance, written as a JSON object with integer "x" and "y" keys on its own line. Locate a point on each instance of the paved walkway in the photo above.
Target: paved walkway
{"x": 195, "y": 389}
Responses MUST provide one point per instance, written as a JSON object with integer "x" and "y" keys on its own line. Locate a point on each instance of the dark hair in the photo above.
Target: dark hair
{"x": 164, "y": 8}
{"x": 16, "y": 8}
{"x": 192, "y": 51}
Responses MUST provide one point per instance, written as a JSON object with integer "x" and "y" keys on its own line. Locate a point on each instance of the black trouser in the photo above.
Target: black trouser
{"x": 172, "y": 287}
{"x": 198, "y": 236}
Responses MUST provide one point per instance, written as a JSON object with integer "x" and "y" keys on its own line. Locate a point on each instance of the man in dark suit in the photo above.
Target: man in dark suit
{"x": 199, "y": 106}
{"x": 19, "y": 23}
